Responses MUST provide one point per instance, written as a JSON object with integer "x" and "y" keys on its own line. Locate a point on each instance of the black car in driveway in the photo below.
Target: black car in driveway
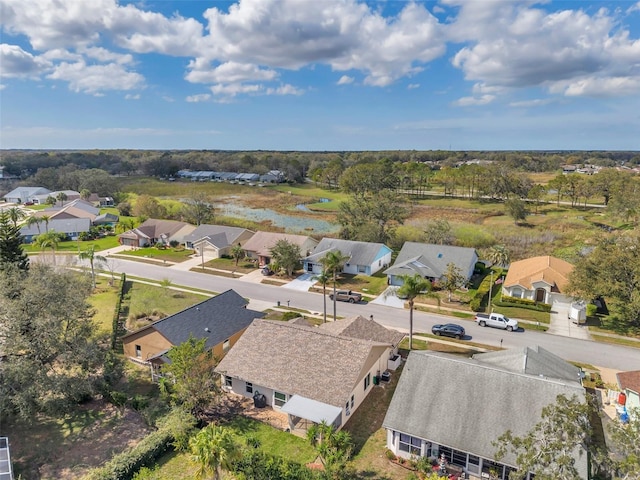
{"x": 448, "y": 330}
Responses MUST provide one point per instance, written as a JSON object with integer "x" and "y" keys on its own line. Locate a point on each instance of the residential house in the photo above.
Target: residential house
{"x": 273, "y": 176}
{"x": 221, "y": 320}
{"x": 458, "y": 407}
{"x": 153, "y": 231}
{"x": 542, "y": 279}
{"x": 106, "y": 219}
{"x": 24, "y": 194}
{"x": 312, "y": 374}
{"x": 364, "y": 258}
{"x": 629, "y": 384}
{"x": 259, "y": 246}
{"x": 430, "y": 261}
{"x": 216, "y": 240}
{"x": 42, "y": 198}
{"x": 77, "y": 208}
{"x": 69, "y": 227}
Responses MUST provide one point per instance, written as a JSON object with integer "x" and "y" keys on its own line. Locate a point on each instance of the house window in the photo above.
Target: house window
{"x": 225, "y": 345}
{"x": 279, "y": 399}
{"x": 362, "y": 269}
{"x": 367, "y": 381}
{"x": 516, "y": 293}
{"x": 249, "y": 387}
{"x": 352, "y": 398}
{"x": 409, "y": 444}
{"x": 228, "y": 381}
{"x": 138, "y": 351}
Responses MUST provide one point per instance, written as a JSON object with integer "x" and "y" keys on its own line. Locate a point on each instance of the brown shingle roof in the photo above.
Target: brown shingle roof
{"x": 364, "y": 329}
{"x": 299, "y": 360}
{"x": 551, "y": 270}
{"x": 630, "y": 380}
{"x": 263, "y": 242}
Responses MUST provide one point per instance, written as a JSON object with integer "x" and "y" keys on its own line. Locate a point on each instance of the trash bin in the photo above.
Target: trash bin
{"x": 278, "y": 303}
{"x": 376, "y": 381}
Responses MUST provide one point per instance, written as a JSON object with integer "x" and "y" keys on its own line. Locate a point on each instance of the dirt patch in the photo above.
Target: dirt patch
{"x": 47, "y": 450}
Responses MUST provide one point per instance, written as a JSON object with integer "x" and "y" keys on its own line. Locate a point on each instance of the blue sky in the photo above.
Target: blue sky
{"x": 320, "y": 75}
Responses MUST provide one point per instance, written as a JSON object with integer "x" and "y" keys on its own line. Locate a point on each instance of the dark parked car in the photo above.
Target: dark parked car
{"x": 448, "y": 330}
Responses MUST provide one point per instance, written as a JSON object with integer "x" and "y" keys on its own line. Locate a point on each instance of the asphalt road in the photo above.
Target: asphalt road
{"x": 571, "y": 349}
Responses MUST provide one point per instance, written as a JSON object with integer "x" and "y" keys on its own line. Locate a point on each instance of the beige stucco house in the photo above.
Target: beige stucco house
{"x": 540, "y": 279}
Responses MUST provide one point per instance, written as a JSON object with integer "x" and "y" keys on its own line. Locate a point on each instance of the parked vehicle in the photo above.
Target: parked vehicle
{"x": 347, "y": 296}
{"x": 448, "y": 330}
{"x": 496, "y": 320}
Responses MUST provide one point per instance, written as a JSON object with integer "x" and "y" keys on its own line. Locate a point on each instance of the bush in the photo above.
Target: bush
{"x": 390, "y": 455}
{"x": 476, "y": 304}
{"x": 256, "y": 465}
{"x": 592, "y": 309}
{"x": 125, "y": 465}
{"x": 523, "y": 303}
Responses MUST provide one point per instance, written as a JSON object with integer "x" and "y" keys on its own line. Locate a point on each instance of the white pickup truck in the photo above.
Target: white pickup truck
{"x": 496, "y": 320}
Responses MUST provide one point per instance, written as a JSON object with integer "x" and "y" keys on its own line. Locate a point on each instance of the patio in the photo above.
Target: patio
{"x": 239, "y": 405}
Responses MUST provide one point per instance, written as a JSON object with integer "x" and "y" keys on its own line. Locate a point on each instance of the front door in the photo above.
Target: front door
{"x": 540, "y": 295}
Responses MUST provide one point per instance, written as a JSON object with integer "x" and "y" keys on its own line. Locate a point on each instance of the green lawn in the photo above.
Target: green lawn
{"x": 169, "y": 254}
{"x": 243, "y": 266}
{"x": 524, "y": 314}
{"x": 72, "y": 246}
{"x": 103, "y": 301}
{"x": 145, "y": 299}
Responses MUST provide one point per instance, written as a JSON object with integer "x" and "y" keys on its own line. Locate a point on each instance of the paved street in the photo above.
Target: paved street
{"x": 262, "y": 296}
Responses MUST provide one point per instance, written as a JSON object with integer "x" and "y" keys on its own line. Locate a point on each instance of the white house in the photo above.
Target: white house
{"x": 364, "y": 258}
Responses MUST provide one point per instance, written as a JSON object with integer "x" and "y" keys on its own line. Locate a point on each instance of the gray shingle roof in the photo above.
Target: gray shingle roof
{"x": 220, "y": 235}
{"x": 466, "y": 404}
{"x": 64, "y": 225}
{"x": 263, "y": 242}
{"x": 154, "y": 228}
{"x": 364, "y": 329}
{"x": 359, "y": 253}
{"x": 431, "y": 260}
{"x": 224, "y": 315}
{"x": 532, "y": 361}
{"x": 300, "y": 360}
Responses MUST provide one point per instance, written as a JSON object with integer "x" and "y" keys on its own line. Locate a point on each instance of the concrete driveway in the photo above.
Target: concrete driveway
{"x": 389, "y": 298}
{"x": 561, "y": 324}
{"x": 303, "y": 283}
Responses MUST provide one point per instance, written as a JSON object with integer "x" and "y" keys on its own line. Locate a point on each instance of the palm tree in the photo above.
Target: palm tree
{"x": 85, "y": 194}
{"x": 90, "y": 255}
{"x": 33, "y": 220}
{"x": 15, "y": 215}
{"x": 48, "y": 240}
{"x": 499, "y": 255}
{"x": 62, "y": 197}
{"x": 334, "y": 447}
{"x": 414, "y": 285}
{"x": 237, "y": 253}
{"x": 213, "y": 448}
{"x": 324, "y": 277}
{"x": 333, "y": 262}
{"x": 45, "y": 219}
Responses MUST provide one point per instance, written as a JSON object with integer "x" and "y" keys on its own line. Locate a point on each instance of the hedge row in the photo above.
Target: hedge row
{"x": 523, "y": 303}
{"x": 125, "y": 465}
{"x": 115, "y": 324}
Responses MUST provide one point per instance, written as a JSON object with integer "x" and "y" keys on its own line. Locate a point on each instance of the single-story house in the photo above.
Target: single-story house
{"x": 457, "y": 407}
{"x": 537, "y": 278}
{"x": 25, "y": 194}
{"x": 42, "y": 198}
{"x": 216, "y": 240}
{"x": 629, "y": 384}
{"x": 312, "y": 374}
{"x": 430, "y": 261}
{"x": 363, "y": 257}
{"x": 221, "y": 320}
{"x": 153, "y": 231}
{"x": 259, "y": 246}
{"x": 70, "y": 227}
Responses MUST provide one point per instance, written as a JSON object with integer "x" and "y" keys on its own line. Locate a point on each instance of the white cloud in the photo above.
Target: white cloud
{"x": 514, "y": 45}
{"x": 599, "y": 87}
{"x": 94, "y": 79}
{"x": 413, "y": 86}
{"x": 634, "y": 8}
{"x": 2, "y": 86}
{"x": 231, "y": 90}
{"x": 229, "y": 72}
{"x": 18, "y": 63}
{"x": 345, "y": 80}
{"x": 130, "y": 96}
{"x": 284, "y": 90}
{"x": 202, "y": 97}
{"x": 104, "y": 55}
{"x": 538, "y": 102}
{"x": 474, "y": 101}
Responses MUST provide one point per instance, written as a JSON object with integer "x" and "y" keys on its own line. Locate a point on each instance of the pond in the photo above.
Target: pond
{"x": 291, "y": 223}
